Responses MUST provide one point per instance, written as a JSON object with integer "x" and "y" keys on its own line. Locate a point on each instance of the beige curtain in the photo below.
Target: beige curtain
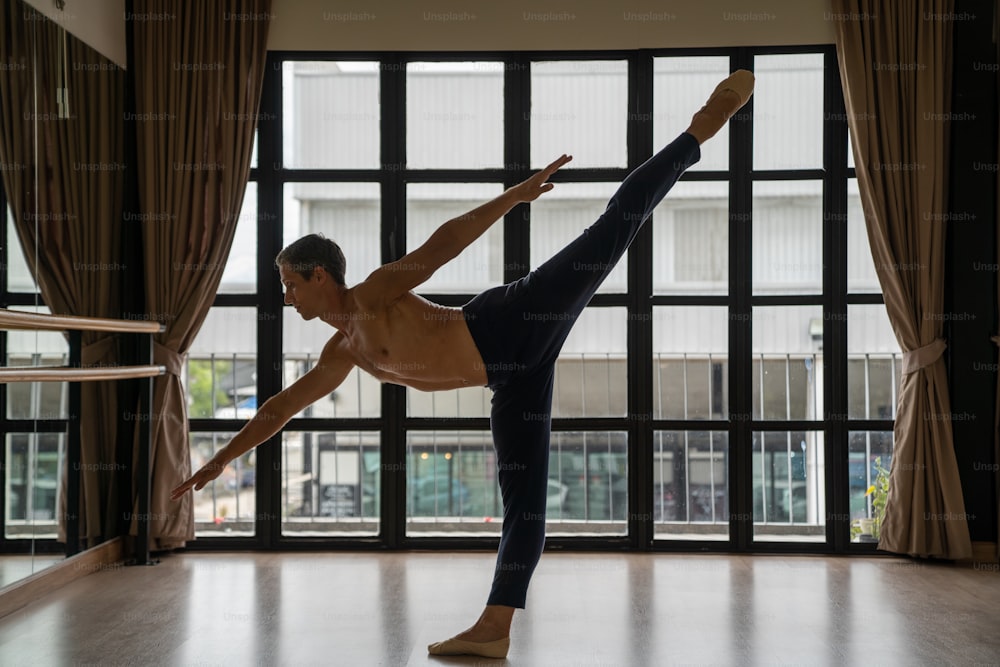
{"x": 895, "y": 62}
{"x": 75, "y": 226}
{"x": 199, "y": 73}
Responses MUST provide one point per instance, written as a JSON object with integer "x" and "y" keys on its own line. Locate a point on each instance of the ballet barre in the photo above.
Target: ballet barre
{"x": 71, "y": 374}
{"x": 15, "y": 319}
{"x": 75, "y": 373}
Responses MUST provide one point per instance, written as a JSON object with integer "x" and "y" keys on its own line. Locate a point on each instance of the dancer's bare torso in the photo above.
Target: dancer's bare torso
{"x": 411, "y": 342}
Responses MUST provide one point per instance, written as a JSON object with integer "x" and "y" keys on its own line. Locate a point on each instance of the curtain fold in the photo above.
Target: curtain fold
{"x": 199, "y": 72}
{"x": 70, "y": 226}
{"x": 895, "y": 64}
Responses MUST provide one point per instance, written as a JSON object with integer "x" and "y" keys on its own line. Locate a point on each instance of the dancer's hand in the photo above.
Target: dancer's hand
{"x": 208, "y": 472}
{"x": 532, "y": 188}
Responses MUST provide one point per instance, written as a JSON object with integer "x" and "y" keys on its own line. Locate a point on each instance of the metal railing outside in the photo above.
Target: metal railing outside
{"x": 583, "y": 487}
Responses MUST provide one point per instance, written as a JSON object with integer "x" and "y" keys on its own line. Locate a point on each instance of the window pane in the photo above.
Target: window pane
{"x": 789, "y": 479}
{"x": 788, "y": 237}
{"x": 579, "y": 107}
{"x": 347, "y": 213}
{"x": 19, "y": 277}
{"x": 331, "y": 115}
{"x": 788, "y": 111}
{"x": 454, "y": 115}
{"x": 690, "y": 362}
{"x": 861, "y": 276}
{"x": 227, "y": 506}
{"x": 430, "y": 205}
{"x": 562, "y": 215}
{"x": 691, "y": 485}
{"x": 221, "y": 371}
{"x": 330, "y": 483}
{"x": 691, "y": 240}
{"x": 588, "y": 483}
{"x": 465, "y": 402}
{"x": 787, "y": 368}
{"x": 359, "y": 395}
{"x": 867, "y": 452}
{"x": 33, "y": 462}
{"x": 451, "y": 484}
{"x": 680, "y": 87}
{"x": 874, "y": 363}
{"x": 591, "y": 371}
{"x": 240, "y": 274}
{"x": 37, "y": 400}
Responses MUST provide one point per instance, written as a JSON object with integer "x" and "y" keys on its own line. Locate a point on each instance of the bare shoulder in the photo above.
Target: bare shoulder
{"x": 336, "y": 351}
{"x": 383, "y": 286}
{"x": 369, "y": 294}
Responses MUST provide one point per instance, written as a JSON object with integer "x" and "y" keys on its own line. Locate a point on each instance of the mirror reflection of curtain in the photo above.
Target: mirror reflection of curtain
{"x": 199, "y": 73}
{"x": 896, "y": 69}
{"x": 72, "y": 222}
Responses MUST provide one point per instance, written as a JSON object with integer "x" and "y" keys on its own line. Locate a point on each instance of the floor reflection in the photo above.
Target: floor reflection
{"x": 15, "y": 568}
{"x": 363, "y": 608}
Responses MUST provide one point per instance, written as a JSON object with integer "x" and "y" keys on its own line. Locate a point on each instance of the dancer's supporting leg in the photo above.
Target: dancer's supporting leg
{"x": 520, "y": 420}
{"x": 540, "y": 310}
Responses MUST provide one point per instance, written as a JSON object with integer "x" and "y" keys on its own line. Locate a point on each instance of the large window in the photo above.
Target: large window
{"x": 732, "y": 384}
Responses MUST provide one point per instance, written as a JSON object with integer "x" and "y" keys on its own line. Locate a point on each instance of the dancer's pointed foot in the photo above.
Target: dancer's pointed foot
{"x": 725, "y": 100}
{"x": 489, "y": 636}
{"x": 453, "y": 646}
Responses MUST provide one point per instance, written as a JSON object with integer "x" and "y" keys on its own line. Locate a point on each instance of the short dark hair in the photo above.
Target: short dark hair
{"x": 310, "y": 251}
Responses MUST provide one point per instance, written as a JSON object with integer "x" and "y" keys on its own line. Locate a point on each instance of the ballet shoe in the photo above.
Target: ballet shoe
{"x": 740, "y": 82}
{"x": 721, "y": 107}
{"x": 494, "y": 649}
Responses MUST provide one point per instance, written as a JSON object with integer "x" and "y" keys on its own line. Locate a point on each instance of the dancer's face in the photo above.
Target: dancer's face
{"x": 300, "y": 293}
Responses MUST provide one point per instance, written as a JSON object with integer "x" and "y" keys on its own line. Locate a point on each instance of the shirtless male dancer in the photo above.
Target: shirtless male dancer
{"x": 493, "y": 341}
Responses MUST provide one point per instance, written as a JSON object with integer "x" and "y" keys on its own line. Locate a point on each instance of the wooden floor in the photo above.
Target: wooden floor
{"x": 360, "y": 609}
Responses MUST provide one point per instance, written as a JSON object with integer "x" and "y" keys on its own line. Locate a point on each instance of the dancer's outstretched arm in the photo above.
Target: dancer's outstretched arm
{"x": 333, "y": 366}
{"x": 394, "y": 279}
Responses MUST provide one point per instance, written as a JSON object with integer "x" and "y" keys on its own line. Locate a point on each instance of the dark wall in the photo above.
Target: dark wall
{"x": 971, "y": 259}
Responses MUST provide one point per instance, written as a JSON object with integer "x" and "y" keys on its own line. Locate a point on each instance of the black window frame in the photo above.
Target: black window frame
{"x": 270, "y": 176}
